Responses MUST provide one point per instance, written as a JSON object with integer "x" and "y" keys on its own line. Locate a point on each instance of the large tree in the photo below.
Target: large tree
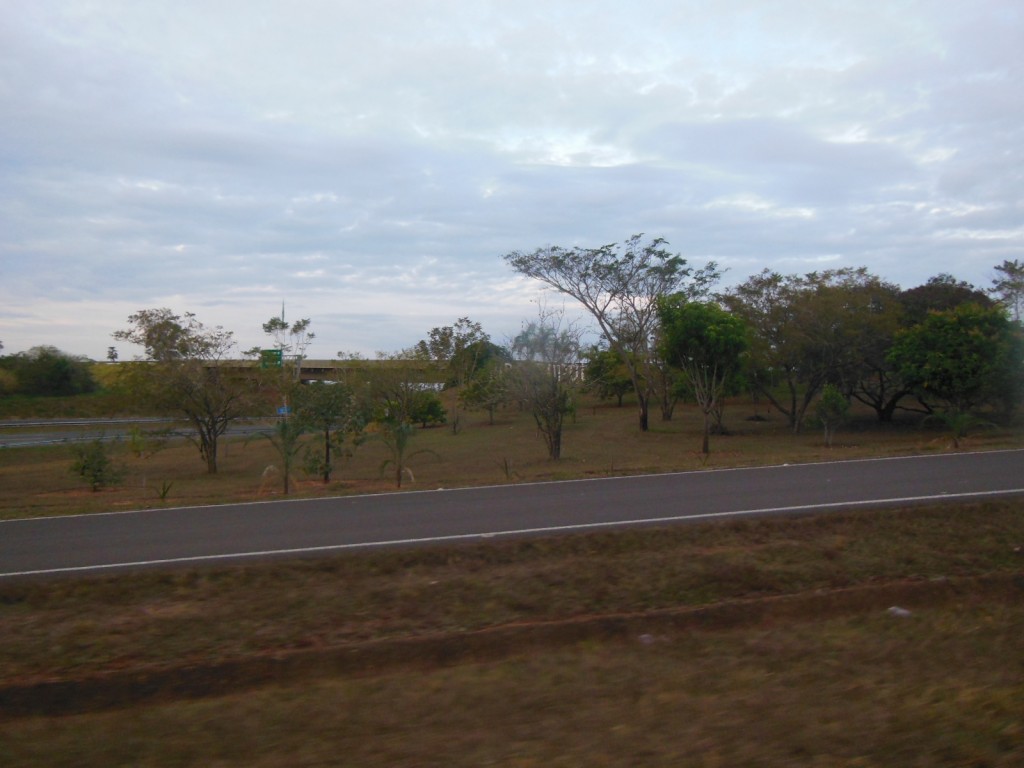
{"x": 706, "y": 344}
{"x": 963, "y": 357}
{"x": 180, "y": 372}
{"x": 875, "y": 313}
{"x": 808, "y": 331}
{"x": 939, "y": 294}
{"x": 619, "y": 286}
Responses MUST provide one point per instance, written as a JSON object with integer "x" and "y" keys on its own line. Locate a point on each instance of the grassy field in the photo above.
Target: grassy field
{"x": 601, "y": 441}
{"x": 754, "y": 642}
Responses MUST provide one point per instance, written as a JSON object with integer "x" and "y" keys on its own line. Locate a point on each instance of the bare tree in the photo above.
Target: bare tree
{"x": 545, "y": 349}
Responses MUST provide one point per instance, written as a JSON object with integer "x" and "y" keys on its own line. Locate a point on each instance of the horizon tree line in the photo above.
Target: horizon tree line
{"x": 941, "y": 347}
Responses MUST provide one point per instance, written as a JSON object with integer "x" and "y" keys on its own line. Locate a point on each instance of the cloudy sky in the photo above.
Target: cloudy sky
{"x": 368, "y": 164}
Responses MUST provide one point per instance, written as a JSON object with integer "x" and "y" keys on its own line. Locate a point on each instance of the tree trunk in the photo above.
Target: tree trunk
{"x": 211, "y": 457}
{"x": 327, "y": 456}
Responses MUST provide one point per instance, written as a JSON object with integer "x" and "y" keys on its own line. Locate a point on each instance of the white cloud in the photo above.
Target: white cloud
{"x": 370, "y": 163}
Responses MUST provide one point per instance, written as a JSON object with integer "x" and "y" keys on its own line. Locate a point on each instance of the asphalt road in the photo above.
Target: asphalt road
{"x": 231, "y": 533}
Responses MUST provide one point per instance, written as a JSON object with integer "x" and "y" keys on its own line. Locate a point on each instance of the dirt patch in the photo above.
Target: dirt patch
{"x": 132, "y": 686}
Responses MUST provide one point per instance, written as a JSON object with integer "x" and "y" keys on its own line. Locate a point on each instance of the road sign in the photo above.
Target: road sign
{"x": 271, "y": 358}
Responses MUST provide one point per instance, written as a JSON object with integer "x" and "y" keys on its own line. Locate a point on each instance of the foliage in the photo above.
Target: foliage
{"x": 487, "y": 389}
{"x": 619, "y": 286}
{"x": 832, "y": 410}
{"x": 290, "y": 341}
{"x": 286, "y": 438}
{"x": 958, "y": 424}
{"x": 392, "y": 388}
{"x": 330, "y": 410}
{"x": 426, "y": 408}
{"x": 146, "y": 443}
{"x": 606, "y": 374}
{"x": 1008, "y": 288}
{"x": 94, "y": 464}
{"x": 180, "y": 373}
{"x": 544, "y": 348}
{"x": 46, "y": 371}
{"x": 458, "y": 350}
{"x": 964, "y": 357}
{"x": 814, "y": 329}
{"x": 940, "y": 293}
{"x": 8, "y": 382}
{"x": 706, "y": 343}
{"x": 396, "y": 436}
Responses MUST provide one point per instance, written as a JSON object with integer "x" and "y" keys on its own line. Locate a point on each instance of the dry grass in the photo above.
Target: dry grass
{"x": 602, "y": 441}
{"x": 941, "y": 688}
{"x": 77, "y": 627}
{"x": 848, "y": 686}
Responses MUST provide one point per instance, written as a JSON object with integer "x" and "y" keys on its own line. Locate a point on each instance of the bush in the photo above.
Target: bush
{"x": 94, "y": 465}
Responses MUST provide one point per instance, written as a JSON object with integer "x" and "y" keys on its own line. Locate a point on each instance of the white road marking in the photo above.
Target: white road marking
{"x": 509, "y": 533}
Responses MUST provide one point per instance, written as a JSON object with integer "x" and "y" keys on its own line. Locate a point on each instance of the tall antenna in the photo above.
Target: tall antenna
{"x": 282, "y": 311}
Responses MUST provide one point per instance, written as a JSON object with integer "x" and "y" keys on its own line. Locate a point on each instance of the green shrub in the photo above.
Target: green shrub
{"x": 93, "y": 463}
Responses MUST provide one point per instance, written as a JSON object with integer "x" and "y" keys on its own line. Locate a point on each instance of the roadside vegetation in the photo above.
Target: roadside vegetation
{"x": 882, "y": 637}
{"x": 600, "y": 440}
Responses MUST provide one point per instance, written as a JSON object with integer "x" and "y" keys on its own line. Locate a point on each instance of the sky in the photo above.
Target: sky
{"x": 367, "y": 165}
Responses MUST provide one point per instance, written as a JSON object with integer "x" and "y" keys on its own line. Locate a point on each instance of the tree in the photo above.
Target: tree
{"x": 875, "y": 315}
{"x": 392, "y": 388}
{"x": 940, "y": 293}
{"x": 426, "y": 408}
{"x": 330, "y": 410}
{"x": 93, "y": 463}
{"x": 962, "y": 358}
{"x": 832, "y": 410}
{"x": 488, "y": 388}
{"x": 8, "y": 382}
{"x": 396, "y": 435}
{"x": 457, "y": 351}
{"x": 48, "y": 372}
{"x": 606, "y": 374}
{"x": 286, "y": 438}
{"x": 807, "y": 331}
{"x": 544, "y": 349}
{"x": 706, "y": 344}
{"x": 1008, "y": 288}
{"x": 180, "y": 373}
{"x": 291, "y": 341}
{"x": 619, "y": 286}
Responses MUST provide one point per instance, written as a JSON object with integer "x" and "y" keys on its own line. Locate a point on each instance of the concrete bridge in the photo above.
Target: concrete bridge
{"x": 348, "y": 371}
{"x": 352, "y": 371}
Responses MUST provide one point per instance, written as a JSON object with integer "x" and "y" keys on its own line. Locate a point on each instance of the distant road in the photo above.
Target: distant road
{"x": 316, "y": 527}
{"x": 31, "y": 433}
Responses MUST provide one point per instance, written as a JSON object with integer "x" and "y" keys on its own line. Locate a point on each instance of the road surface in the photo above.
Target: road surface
{"x": 263, "y": 530}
